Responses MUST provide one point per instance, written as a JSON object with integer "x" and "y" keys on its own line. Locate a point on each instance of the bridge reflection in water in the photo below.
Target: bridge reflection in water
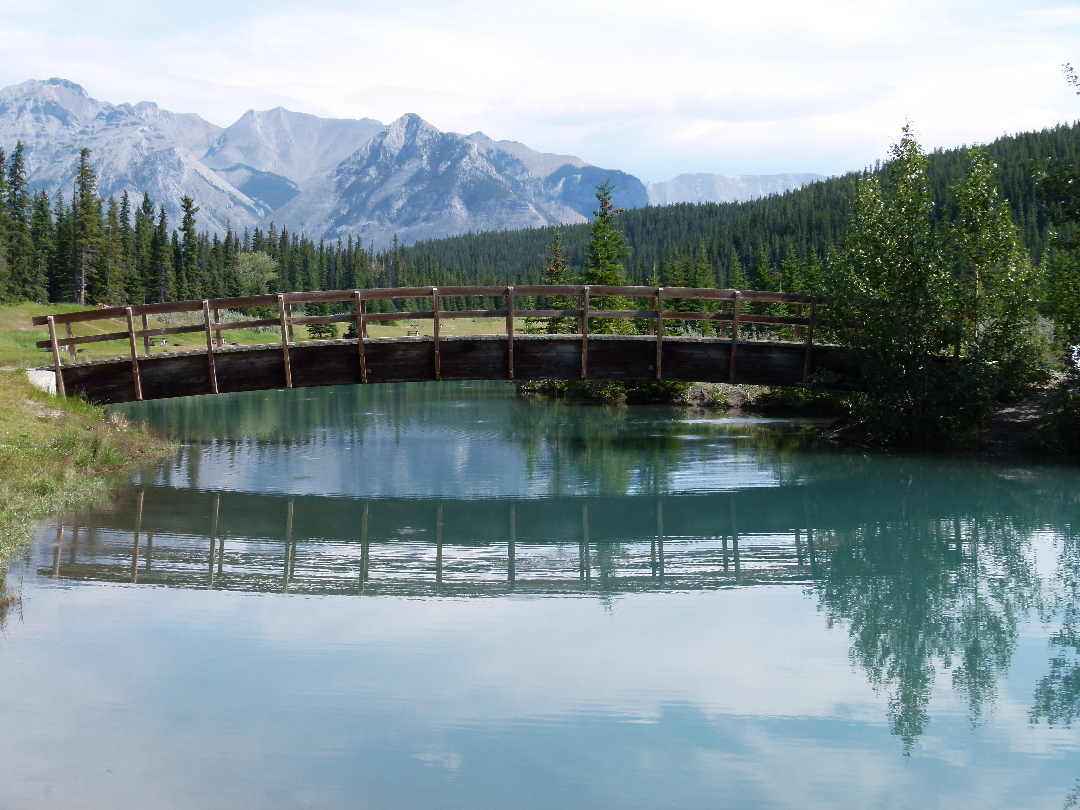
{"x": 454, "y": 547}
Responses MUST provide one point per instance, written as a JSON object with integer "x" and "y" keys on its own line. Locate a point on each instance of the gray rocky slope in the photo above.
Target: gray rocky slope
{"x": 325, "y": 177}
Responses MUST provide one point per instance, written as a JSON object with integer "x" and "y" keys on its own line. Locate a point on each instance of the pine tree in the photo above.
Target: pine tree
{"x": 5, "y": 229}
{"x": 161, "y": 259}
{"x": 20, "y": 245}
{"x": 87, "y": 225}
{"x": 188, "y": 281}
{"x": 43, "y": 238}
{"x": 557, "y": 273}
{"x": 145, "y": 286}
{"x": 62, "y": 270}
{"x": 604, "y": 255}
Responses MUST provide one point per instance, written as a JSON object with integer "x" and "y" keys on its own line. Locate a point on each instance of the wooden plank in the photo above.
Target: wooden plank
{"x": 623, "y": 291}
{"x": 318, "y": 297}
{"x": 766, "y": 297}
{"x": 57, "y": 370}
{"x": 435, "y": 328}
{"x": 400, "y": 316}
{"x": 698, "y": 293}
{"x": 210, "y": 347}
{"x": 313, "y": 319}
{"x": 285, "y": 341}
{"x": 134, "y": 354}
{"x": 583, "y": 324}
{"x": 224, "y": 327}
{"x": 471, "y": 313}
{"x": 734, "y": 338}
{"x": 388, "y": 293}
{"x": 510, "y": 332}
{"x": 659, "y": 331}
{"x": 117, "y": 313}
{"x": 547, "y": 313}
{"x": 473, "y": 292}
{"x": 549, "y": 291}
{"x": 622, "y": 313}
{"x": 361, "y": 334}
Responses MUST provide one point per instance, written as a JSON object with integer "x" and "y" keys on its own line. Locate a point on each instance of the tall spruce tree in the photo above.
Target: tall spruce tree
{"x": 604, "y": 256}
{"x": 556, "y": 273}
{"x": 87, "y": 225}
{"x": 188, "y": 280}
{"x": 43, "y": 237}
{"x": 20, "y": 245}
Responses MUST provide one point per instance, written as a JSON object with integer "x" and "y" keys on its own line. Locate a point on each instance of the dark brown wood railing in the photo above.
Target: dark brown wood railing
{"x": 729, "y": 316}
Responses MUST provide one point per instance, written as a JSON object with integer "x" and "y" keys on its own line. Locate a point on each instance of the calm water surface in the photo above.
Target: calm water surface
{"x": 443, "y": 596}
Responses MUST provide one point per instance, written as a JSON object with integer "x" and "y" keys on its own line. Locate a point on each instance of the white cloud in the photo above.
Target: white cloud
{"x": 729, "y": 87}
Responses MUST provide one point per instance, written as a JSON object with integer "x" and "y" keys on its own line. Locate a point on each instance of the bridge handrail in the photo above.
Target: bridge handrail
{"x": 729, "y": 319}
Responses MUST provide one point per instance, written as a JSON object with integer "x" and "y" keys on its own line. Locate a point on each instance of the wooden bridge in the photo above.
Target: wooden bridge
{"x": 746, "y": 345}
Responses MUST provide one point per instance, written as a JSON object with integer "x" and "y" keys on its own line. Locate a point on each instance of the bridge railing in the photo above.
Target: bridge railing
{"x": 725, "y": 309}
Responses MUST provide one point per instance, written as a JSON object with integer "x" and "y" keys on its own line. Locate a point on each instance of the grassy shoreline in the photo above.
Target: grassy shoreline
{"x": 58, "y": 453}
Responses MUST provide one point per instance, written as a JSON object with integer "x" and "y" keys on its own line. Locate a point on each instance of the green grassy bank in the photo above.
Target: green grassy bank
{"x": 59, "y": 453}
{"x": 55, "y": 453}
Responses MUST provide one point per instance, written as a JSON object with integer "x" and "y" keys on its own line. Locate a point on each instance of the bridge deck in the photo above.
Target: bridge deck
{"x": 727, "y": 357}
{"x": 392, "y": 360}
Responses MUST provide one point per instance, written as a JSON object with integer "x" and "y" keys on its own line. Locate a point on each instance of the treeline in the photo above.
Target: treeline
{"x": 94, "y": 250}
{"x": 108, "y": 251}
{"x": 757, "y": 236}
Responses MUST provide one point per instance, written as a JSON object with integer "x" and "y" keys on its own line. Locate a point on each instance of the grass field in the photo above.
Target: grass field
{"x": 18, "y": 336}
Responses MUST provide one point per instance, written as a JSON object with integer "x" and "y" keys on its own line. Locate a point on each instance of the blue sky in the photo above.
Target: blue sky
{"x": 652, "y": 88}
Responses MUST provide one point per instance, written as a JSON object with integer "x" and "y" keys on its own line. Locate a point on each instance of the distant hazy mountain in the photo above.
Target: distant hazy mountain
{"x": 296, "y": 146}
{"x": 698, "y": 188}
{"x": 326, "y": 177}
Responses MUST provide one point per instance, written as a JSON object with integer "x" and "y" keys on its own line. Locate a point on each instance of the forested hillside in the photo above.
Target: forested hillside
{"x": 805, "y": 221}
{"x": 94, "y": 250}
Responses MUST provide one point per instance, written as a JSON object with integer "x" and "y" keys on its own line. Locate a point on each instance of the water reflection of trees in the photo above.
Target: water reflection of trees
{"x": 619, "y": 450}
{"x": 926, "y": 594}
{"x": 1057, "y": 695}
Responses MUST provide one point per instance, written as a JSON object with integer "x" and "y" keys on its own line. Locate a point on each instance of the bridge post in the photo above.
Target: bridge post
{"x": 734, "y": 337}
{"x": 134, "y": 355}
{"x": 210, "y": 346}
{"x": 146, "y": 341}
{"x": 285, "y": 332}
{"x": 511, "y": 548}
{"x": 809, "y": 344}
{"x": 659, "y": 331}
{"x": 72, "y": 351}
{"x": 56, "y": 357}
{"x": 361, "y": 328}
{"x": 510, "y": 332}
{"x": 435, "y": 330}
{"x": 583, "y": 327}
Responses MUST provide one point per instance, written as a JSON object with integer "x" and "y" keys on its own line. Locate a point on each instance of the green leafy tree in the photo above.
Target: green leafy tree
{"x": 890, "y": 291}
{"x": 996, "y": 287}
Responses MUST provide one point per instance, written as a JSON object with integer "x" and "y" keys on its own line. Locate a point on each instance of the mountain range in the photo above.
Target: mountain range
{"x": 327, "y": 177}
